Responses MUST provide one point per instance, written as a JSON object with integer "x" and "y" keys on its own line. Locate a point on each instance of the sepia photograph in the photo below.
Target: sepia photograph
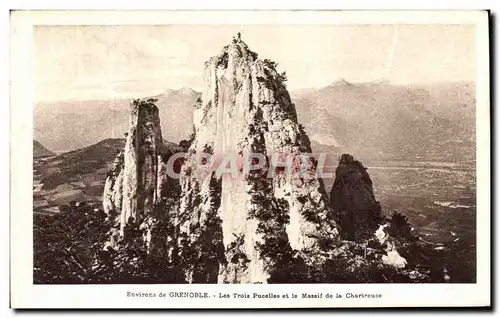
{"x": 256, "y": 153}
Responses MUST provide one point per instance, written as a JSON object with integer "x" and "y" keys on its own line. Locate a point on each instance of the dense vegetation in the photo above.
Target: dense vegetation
{"x": 73, "y": 247}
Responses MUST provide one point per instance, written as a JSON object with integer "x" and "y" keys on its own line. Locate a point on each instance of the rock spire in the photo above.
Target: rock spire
{"x": 136, "y": 183}
{"x": 246, "y": 108}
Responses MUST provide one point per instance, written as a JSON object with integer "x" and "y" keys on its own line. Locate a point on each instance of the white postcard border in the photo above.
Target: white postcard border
{"x": 26, "y": 295}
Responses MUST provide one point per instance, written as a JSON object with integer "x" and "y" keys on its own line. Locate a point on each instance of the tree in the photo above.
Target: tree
{"x": 282, "y": 77}
{"x": 271, "y": 64}
{"x": 80, "y": 245}
{"x": 272, "y": 215}
{"x": 69, "y": 246}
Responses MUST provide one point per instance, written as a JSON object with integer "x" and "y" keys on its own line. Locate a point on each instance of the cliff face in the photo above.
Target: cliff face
{"x": 353, "y": 200}
{"x": 113, "y": 187}
{"x": 247, "y": 109}
{"x": 135, "y": 185}
{"x": 228, "y": 221}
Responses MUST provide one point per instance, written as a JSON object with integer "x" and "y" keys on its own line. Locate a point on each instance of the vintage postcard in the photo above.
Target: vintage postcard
{"x": 251, "y": 159}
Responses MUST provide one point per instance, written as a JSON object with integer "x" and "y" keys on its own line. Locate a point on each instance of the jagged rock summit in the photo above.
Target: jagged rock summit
{"x": 246, "y": 108}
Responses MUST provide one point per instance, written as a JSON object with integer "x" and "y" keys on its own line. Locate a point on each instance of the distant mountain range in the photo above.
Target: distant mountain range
{"x": 376, "y": 120}
{"x": 40, "y": 151}
{"x": 384, "y": 121}
{"x": 70, "y": 125}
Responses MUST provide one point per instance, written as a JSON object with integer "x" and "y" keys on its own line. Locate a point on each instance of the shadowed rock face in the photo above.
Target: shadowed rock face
{"x": 135, "y": 185}
{"x": 353, "y": 200}
{"x": 246, "y": 108}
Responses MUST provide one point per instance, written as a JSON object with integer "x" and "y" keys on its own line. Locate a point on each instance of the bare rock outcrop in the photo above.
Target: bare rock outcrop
{"x": 246, "y": 108}
{"x": 361, "y": 221}
{"x": 113, "y": 187}
{"x": 353, "y": 199}
{"x": 138, "y": 179}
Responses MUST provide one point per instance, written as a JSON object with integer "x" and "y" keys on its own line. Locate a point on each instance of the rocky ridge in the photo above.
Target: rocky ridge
{"x": 243, "y": 226}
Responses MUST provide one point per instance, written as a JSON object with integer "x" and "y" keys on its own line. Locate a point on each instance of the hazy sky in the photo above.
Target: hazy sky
{"x": 105, "y": 62}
